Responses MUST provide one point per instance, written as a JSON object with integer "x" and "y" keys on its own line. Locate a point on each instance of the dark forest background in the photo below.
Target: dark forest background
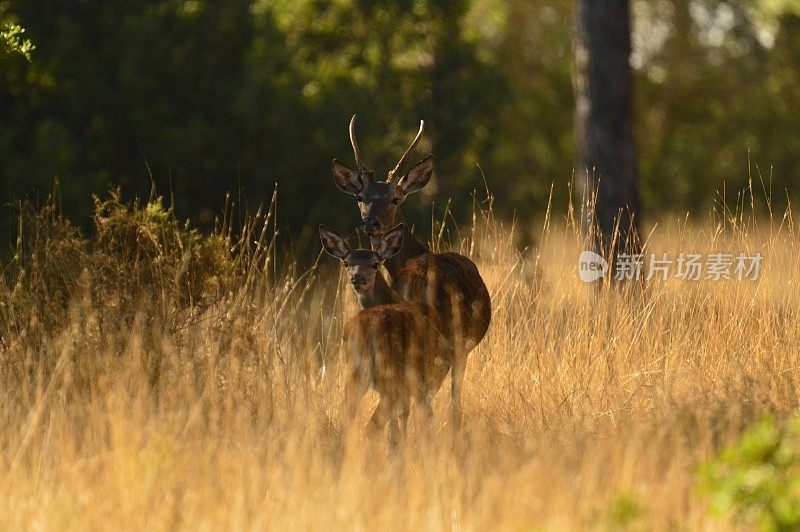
{"x": 205, "y": 97}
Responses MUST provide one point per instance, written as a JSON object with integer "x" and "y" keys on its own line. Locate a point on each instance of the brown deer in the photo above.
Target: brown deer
{"x": 389, "y": 344}
{"x": 447, "y": 284}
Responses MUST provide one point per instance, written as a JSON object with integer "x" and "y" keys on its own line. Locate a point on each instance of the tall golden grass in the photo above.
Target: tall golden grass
{"x": 153, "y": 378}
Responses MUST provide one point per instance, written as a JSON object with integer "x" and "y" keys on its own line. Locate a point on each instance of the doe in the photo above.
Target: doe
{"x": 389, "y": 345}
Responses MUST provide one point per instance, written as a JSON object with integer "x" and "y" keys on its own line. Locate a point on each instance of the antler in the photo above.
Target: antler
{"x": 408, "y": 151}
{"x": 356, "y": 150}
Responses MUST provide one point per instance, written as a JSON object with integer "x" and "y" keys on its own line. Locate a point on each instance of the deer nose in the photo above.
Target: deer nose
{"x": 357, "y": 278}
{"x": 370, "y": 223}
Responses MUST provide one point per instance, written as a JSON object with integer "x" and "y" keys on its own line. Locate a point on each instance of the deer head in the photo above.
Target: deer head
{"x": 362, "y": 264}
{"x": 379, "y": 201}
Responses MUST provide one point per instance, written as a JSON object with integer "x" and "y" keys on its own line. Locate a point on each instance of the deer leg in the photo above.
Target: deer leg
{"x": 398, "y": 424}
{"x": 426, "y": 408}
{"x": 355, "y": 388}
{"x": 418, "y": 386}
{"x": 458, "y": 368}
{"x": 424, "y": 413}
{"x": 381, "y": 415}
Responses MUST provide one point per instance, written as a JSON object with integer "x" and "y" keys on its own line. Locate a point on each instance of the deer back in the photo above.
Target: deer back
{"x": 452, "y": 293}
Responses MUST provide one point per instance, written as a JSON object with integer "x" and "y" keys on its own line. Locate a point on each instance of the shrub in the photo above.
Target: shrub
{"x": 143, "y": 251}
{"x": 141, "y": 268}
{"x": 139, "y": 254}
{"x": 757, "y": 478}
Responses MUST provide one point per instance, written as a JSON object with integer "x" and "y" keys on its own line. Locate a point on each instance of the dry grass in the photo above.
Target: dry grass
{"x": 143, "y": 392}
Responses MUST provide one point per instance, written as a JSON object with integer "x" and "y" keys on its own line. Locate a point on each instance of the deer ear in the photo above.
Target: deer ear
{"x": 332, "y": 243}
{"x": 346, "y": 178}
{"x": 418, "y": 177}
{"x": 391, "y": 242}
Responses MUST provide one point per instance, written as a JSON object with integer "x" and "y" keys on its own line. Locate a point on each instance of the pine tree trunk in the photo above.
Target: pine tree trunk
{"x": 607, "y": 156}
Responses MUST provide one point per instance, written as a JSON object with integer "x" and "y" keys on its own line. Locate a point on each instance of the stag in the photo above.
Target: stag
{"x": 448, "y": 285}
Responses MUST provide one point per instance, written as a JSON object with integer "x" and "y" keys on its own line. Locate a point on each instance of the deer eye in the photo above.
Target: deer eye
{"x": 396, "y": 201}
{"x": 375, "y": 266}
{"x": 359, "y": 199}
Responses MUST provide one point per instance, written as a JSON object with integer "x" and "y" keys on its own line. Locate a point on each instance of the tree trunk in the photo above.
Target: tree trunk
{"x": 604, "y": 125}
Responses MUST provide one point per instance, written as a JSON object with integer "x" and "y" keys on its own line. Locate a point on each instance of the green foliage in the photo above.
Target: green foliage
{"x": 12, "y": 40}
{"x": 212, "y": 97}
{"x": 757, "y": 479}
{"x": 624, "y": 512}
{"x": 716, "y": 89}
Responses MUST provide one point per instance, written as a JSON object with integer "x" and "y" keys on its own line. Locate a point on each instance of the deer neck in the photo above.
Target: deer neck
{"x": 411, "y": 248}
{"x": 381, "y": 294}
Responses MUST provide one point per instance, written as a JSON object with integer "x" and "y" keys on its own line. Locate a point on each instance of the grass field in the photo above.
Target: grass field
{"x": 156, "y": 379}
